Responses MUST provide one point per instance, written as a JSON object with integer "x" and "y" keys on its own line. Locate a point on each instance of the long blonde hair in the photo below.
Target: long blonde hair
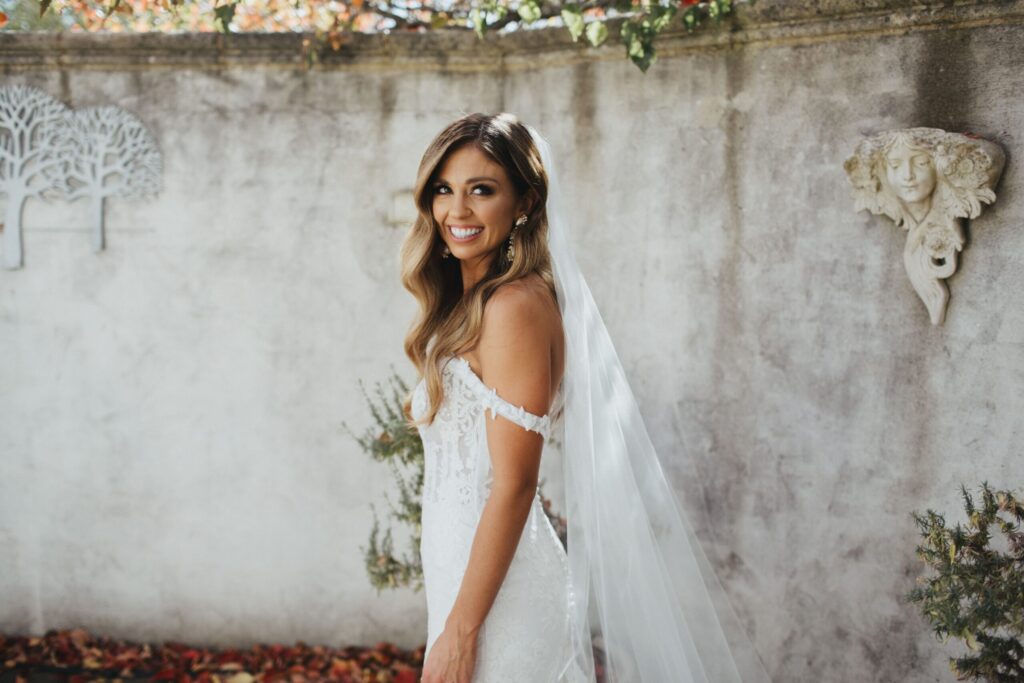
{"x": 449, "y": 318}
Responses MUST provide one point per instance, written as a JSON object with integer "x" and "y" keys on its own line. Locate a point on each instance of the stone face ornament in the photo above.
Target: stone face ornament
{"x": 926, "y": 180}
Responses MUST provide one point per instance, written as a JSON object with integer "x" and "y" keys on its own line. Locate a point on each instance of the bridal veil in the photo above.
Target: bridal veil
{"x": 664, "y": 617}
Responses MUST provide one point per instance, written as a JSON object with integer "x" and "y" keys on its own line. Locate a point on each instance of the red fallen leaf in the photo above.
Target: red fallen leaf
{"x": 165, "y": 675}
{"x": 78, "y": 637}
{"x": 340, "y": 666}
{"x": 407, "y": 676}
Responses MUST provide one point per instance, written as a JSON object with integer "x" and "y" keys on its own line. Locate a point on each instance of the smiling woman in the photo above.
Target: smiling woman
{"x": 505, "y": 600}
{"x": 474, "y": 203}
{"x": 489, "y": 342}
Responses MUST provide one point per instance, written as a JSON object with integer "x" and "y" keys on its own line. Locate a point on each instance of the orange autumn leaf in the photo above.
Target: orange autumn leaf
{"x": 336, "y": 39}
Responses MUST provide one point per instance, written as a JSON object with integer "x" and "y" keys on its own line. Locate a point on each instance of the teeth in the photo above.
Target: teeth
{"x": 465, "y": 232}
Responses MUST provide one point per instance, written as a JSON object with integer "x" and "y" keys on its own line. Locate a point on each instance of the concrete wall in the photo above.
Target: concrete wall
{"x": 170, "y": 410}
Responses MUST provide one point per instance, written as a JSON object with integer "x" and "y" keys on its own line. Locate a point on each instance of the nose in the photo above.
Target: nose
{"x": 907, "y": 170}
{"x": 458, "y": 205}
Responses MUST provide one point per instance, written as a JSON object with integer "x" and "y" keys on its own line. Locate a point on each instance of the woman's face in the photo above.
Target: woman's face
{"x": 910, "y": 172}
{"x": 474, "y": 203}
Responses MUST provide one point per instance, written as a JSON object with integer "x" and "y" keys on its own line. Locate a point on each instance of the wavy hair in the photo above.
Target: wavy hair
{"x": 450, "y": 321}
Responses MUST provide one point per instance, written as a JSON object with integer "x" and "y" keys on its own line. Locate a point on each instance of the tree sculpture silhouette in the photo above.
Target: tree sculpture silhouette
{"x": 30, "y": 161}
{"x": 107, "y": 151}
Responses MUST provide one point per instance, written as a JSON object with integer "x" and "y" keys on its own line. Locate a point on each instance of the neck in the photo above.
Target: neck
{"x": 473, "y": 270}
{"x": 918, "y": 210}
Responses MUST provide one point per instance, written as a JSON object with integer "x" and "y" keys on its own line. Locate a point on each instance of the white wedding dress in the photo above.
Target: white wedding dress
{"x": 526, "y": 636}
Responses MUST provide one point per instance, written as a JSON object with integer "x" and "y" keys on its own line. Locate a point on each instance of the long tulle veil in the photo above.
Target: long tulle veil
{"x": 664, "y": 617}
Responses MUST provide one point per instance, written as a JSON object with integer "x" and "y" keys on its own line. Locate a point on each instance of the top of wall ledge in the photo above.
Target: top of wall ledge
{"x": 758, "y": 22}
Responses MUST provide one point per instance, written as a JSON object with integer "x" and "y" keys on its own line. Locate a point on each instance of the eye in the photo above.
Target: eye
{"x": 486, "y": 190}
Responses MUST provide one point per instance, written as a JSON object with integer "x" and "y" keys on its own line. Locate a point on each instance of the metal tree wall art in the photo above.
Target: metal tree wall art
{"x": 926, "y": 180}
{"x": 50, "y": 151}
{"x": 30, "y": 166}
{"x": 108, "y": 152}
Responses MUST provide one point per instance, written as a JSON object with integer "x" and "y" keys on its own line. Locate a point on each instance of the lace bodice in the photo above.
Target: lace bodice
{"x": 456, "y": 445}
{"x": 525, "y": 636}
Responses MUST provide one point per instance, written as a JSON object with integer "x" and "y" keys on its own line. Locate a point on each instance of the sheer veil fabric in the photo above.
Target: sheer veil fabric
{"x": 663, "y": 614}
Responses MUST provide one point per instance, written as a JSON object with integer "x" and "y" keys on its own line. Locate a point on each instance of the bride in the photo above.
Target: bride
{"x": 512, "y": 352}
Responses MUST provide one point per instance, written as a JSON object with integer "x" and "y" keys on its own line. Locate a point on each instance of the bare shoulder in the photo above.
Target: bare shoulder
{"x": 525, "y": 305}
{"x": 517, "y": 350}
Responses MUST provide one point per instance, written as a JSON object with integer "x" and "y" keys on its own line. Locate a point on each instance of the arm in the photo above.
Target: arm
{"x": 515, "y": 356}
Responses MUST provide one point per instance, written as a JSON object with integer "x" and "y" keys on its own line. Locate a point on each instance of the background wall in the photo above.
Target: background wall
{"x": 173, "y": 462}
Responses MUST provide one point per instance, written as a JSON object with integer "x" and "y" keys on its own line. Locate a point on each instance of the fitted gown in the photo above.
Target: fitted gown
{"x": 526, "y": 635}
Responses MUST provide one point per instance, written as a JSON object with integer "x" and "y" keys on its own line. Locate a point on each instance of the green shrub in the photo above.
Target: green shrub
{"x": 975, "y": 591}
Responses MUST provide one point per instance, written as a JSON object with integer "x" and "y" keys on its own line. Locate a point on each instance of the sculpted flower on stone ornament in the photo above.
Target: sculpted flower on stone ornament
{"x": 941, "y": 241}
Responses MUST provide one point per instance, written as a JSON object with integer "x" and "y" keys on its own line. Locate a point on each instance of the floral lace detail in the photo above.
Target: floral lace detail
{"x": 499, "y": 406}
{"x": 526, "y": 635}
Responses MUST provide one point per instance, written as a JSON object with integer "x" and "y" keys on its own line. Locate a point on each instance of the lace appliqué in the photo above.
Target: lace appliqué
{"x": 452, "y": 443}
{"x": 498, "y": 406}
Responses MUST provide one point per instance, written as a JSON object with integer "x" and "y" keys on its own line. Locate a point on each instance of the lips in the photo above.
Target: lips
{"x": 464, "y": 233}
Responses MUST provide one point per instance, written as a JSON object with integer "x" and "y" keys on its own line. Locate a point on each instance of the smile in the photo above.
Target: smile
{"x": 464, "y": 234}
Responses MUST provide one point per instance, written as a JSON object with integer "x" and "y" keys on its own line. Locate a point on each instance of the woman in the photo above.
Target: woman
{"x": 508, "y": 329}
{"x": 482, "y": 274}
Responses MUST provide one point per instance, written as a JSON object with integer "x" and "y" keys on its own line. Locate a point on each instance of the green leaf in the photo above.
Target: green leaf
{"x": 639, "y": 40}
{"x": 662, "y": 16}
{"x": 690, "y": 19}
{"x": 479, "y": 20}
{"x": 573, "y": 18}
{"x": 223, "y": 15}
{"x": 597, "y": 32}
{"x": 529, "y": 10}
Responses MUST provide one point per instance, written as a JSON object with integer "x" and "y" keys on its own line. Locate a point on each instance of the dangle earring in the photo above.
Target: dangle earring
{"x": 510, "y": 252}
{"x": 446, "y": 252}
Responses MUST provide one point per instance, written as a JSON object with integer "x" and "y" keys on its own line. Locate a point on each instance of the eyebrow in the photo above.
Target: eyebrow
{"x": 472, "y": 180}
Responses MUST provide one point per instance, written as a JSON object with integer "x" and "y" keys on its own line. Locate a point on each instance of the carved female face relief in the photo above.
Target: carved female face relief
{"x": 910, "y": 172}
{"x": 926, "y": 180}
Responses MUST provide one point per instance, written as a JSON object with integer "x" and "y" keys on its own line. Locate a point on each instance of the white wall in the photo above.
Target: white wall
{"x": 170, "y": 410}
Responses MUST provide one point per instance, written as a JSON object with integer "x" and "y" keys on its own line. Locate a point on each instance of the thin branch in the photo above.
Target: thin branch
{"x": 404, "y": 22}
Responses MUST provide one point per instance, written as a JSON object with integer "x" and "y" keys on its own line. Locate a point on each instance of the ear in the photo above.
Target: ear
{"x": 528, "y": 201}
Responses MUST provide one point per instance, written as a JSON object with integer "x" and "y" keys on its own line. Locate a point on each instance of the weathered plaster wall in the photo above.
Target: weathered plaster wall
{"x": 170, "y": 410}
